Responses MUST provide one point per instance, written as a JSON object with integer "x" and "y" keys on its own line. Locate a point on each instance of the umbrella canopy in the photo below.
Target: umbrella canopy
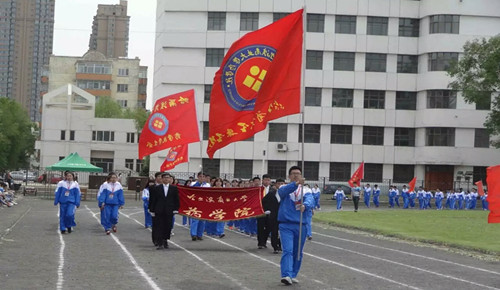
{"x": 74, "y": 162}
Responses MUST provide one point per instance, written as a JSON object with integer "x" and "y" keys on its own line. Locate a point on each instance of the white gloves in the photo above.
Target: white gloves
{"x": 268, "y": 212}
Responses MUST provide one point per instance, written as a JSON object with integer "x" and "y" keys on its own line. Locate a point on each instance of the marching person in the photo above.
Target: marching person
{"x": 101, "y": 188}
{"x": 427, "y": 199}
{"x": 68, "y": 196}
{"x": 148, "y": 219}
{"x": 460, "y": 197}
{"x": 438, "y": 197}
{"x": 290, "y": 211}
{"x": 339, "y": 196}
{"x": 356, "y": 193}
{"x": 219, "y": 226}
{"x": 163, "y": 204}
{"x": 412, "y": 195}
{"x": 271, "y": 204}
{"x": 421, "y": 198}
{"x": 317, "y": 197}
{"x": 110, "y": 200}
{"x": 396, "y": 198}
{"x": 198, "y": 226}
{"x": 484, "y": 201}
{"x": 392, "y": 196}
{"x": 367, "y": 194}
{"x": 473, "y": 200}
{"x": 263, "y": 223}
{"x": 406, "y": 197}
{"x": 376, "y": 195}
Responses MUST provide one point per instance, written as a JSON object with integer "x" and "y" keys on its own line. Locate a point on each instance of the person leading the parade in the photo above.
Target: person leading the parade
{"x": 68, "y": 196}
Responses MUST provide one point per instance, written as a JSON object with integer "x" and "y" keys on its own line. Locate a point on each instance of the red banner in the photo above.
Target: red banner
{"x": 176, "y": 155}
{"x": 493, "y": 181}
{"x": 480, "y": 188}
{"x": 258, "y": 81}
{"x": 357, "y": 176}
{"x": 411, "y": 184}
{"x": 220, "y": 204}
{"x": 172, "y": 122}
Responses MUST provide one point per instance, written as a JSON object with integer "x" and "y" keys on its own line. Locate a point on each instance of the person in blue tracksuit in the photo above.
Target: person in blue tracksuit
{"x": 453, "y": 200}
{"x": 427, "y": 197}
{"x": 367, "y": 194}
{"x": 198, "y": 226}
{"x": 484, "y": 201}
{"x": 438, "y": 197}
{"x": 110, "y": 200}
{"x": 448, "y": 199}
{"x": 473, "y": 200}
{"x": 309, "y": 212}
{"x": 376, "y": 195}
{"x": 396, "y": 198}
{"x": 461, "y": 198}
{"x": 68, "y": 196}
{"x": 101, "y": 188}
{"x": 392, "y": 196}
{"x": 148, "y": 219}
{"x": 406, "y": 196}
{"x": 420, "y": 196}
{"x": 467, "y": 198}
{"x": 290, "y": 210}
{"x": 339, "y": 196}
{"x": 317, "y": 197}
{"x": 411, "y": 196}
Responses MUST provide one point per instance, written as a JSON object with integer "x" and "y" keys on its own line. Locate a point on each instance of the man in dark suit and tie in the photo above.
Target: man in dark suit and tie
{"x": 271, "y": 204}
{"x": 163, "y": 204}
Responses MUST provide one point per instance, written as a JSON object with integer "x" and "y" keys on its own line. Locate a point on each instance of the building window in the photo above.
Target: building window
{"x": 342, "y": 98}
{"x": 211, "y": 166}
{"x": 407, "y": 64}
{"x": 93, "y": 68}
{"x": 63, "y": 135}
{"x": 216, "y": 21}
{"x": 345, "y": 24}
{"x": 373, "y": 172}
{"x": 103, "y": 136}
{"x": 214, "y": 57}
{"x": 105, "y": 163}
{"x": 277, "y": 132}
{"x": 377, "y": 25}
{"x": 481, "y": 138}
{"x": 404, "y": 137}
{"x": 278, "y": 15}
{"x": 440, "y": 61}
{"x": 374, "y": 99}
{"x": 313, "y": 97}
{"x": 343, "y": 61}
{"x": 129, "y": 163}
{"x": 403, "y": 173}
{"x": 406, "y": 100}
{"x": 93, "y": 85}
{"x": 122, "y": 88}
{"x": 72, "y": 135}
{"x": 243, "y": 168}
{"x": 205, "y": 130}
{"x": 441, "y": 99}
{"x": 340, "y": 171}
{"x": 373, "y": 135}
{"x": 277, "y": 168}
{"x": 122, "y": 103}
{"x": 315, "y": 22}
{"x": 206, "y": 96}
{"x": 444, "y": 24}
{"x": 376, "y": 62}
{"x": 341, "y": 134}
{"x": 123, "y": 72}
{"x": 311, "y": 170}
{"x": 438, "y": 136}
{"x": 409, "y": 27}
{"x": 130, "y": 137}
{"x": 312, "y": 133}
{"x": 249, "y": 21}
{"x": 138, "y": 165}
{"x": 314, "y": 59}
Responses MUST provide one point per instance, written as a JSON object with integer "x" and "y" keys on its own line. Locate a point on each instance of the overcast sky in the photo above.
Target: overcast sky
{"x": 73, "y": 26}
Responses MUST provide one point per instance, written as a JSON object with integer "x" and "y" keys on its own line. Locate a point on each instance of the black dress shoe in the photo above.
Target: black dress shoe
{"x": 160, "y": 247}
{"x": 165, "y": 245}
{"x": 193, "y": 238}
{"x": 199, "y": 238}
{"x": 69, "y": 230}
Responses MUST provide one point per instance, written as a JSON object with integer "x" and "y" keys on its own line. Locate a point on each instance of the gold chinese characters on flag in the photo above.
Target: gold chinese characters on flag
{"x": 220, "y": 204}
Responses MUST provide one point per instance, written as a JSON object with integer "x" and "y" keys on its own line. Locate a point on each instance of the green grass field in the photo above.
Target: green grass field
{"x": 459, "y": 229}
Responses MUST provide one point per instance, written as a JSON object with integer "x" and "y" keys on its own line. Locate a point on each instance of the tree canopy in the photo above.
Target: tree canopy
{"x": 106, "y": 107}
{"x": 17, "y": 141}
{"x": 477, "y": 75}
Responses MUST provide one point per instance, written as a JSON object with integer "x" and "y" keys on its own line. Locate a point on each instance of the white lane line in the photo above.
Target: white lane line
{"x": 405, "y": 265}
{"x": 60, "y": 276}
{"x": 135, "y": 213}
{"x": 410, "y": 254}
{"x": 197, "y": 257}
{"x": 131, "y": 258}
{"x": 7, "y": 231}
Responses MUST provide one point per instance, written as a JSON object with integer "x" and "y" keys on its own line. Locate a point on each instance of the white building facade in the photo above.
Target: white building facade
{"x": 376, "y": 87}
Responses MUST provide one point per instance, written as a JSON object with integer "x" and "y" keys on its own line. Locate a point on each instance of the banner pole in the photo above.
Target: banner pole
{"x": 300, "y": 222}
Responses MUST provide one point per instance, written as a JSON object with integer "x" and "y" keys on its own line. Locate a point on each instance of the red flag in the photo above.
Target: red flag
{"x": 258, "y": 81}
{"x": 411, "y": 184}
{"x": 176, "y": 155}
{"x": 358, "y": 175}
{"x": 220, "y": 204}
{"x": 493, "y": 181}
{"x": 480, "y": 188}
{"x": 172, "y": 122}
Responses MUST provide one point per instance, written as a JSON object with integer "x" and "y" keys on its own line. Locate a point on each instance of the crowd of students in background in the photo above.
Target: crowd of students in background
{"x": 7, "y": 196}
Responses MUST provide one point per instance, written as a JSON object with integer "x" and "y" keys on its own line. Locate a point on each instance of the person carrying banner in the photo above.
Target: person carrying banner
{"x": 198, "y": 226}
{"x": 271, "y": 204}
{"x": 68, "y": 196}
{"x": 110, "y": 200}
{"x": 356, "y": 194}
{"x": 289, "y": 216}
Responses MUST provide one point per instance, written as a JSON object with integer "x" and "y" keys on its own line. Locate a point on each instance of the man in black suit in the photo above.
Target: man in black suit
{"x": 163, "y": 204}
{"x": 271, "y": 204}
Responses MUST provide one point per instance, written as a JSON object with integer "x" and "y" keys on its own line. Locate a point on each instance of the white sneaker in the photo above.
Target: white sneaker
{"x": 294, "y": 280}
{"x": 286, "y": 280}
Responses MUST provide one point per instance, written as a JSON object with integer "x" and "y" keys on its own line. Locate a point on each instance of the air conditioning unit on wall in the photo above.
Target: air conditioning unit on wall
{"x": 281, "y": 147}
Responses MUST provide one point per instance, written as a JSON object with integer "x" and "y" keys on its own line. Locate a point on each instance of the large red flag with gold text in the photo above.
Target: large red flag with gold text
{"x": 220, "y": 204}
{"x": 176, "y": 155}
{"x": 172, "y": 122}
{"x": 493, "y": 181}
{"x": 258, "y": 81}
{"x": 357, "y": 175}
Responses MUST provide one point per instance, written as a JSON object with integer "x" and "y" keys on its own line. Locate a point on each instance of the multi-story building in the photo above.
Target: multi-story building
{"x": 376, "y": 87}
{"x": 110, "y": 30}
{"x": 122, "y": 79}
{"x": 27, "y": 29}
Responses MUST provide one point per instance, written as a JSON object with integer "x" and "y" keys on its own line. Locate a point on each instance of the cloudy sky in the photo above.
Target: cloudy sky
{"x": 73, "y": 25}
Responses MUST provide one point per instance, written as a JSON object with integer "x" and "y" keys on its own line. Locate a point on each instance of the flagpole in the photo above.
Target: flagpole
{"x": 302, "y": 105}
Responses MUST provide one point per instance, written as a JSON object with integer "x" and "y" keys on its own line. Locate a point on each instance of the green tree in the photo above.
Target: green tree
{"x": 139, "y": 115}
{"x": 17, "y": 141}
{"x": 145, "y": 167}
{"x": 106, "y": 107}
{"x": 477, "y": 75}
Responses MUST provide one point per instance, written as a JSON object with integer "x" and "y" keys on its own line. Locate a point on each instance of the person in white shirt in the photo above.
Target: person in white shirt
{"x": 438, "y": 196}
{"x": 367, "y": 194}
{"x": 339, "y": 196}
